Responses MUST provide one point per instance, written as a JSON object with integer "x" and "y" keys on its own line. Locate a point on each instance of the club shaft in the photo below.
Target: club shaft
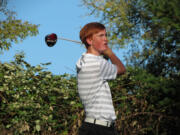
{"x": 70, "y": 40}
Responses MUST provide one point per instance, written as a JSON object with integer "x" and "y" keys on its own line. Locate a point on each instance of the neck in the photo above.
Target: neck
{"x": 91, "y": 50}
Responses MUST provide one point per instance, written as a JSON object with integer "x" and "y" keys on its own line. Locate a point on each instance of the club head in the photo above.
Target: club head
{"x": 51, "y": 39}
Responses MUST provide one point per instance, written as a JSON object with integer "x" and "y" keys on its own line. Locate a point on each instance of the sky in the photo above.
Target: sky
{"x": 63, "y": 17}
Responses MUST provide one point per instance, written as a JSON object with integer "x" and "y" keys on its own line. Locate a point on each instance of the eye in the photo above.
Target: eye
{"x": 102, "y": 35}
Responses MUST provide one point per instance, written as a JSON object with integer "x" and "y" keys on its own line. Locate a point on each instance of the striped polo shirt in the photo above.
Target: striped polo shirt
{"x": 92, "y": 75}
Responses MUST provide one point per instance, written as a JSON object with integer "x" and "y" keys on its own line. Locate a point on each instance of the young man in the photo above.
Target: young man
{"x": 93, "y": 71}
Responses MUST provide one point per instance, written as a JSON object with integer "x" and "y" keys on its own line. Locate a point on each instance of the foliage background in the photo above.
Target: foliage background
{"x": 33, "y": 101}
{"x": 150, "y": 29}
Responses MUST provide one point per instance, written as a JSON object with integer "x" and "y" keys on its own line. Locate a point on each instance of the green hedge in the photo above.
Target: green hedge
{"x": 33, "y": 101}
{"x": 145, "y": 104}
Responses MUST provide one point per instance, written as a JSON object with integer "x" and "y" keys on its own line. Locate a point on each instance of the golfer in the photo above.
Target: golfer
{"x": 93, "y": 72}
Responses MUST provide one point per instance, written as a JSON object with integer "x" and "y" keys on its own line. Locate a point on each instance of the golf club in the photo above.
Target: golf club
{"x": 51, "y": 40}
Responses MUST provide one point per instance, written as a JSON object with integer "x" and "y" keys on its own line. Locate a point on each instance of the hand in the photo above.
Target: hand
{"x": 107, "y": 52}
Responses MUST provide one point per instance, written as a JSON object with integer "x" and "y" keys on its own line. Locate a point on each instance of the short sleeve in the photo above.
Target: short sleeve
{"x": 108, "y": 71}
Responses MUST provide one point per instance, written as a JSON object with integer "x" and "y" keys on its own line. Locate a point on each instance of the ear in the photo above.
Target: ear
{"x": 89, "y": 41}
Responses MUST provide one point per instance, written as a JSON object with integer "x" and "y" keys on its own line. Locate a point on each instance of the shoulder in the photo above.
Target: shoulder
{"x": 91, "y": 61}
{"x": 88, "y": 62}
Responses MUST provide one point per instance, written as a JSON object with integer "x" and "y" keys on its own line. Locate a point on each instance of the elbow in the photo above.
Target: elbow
{"x": 121, "y": 71}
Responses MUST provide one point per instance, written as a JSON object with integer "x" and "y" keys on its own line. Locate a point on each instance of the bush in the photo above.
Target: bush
{"x": 145, "y": 104}
{"x": 34, "y": 101}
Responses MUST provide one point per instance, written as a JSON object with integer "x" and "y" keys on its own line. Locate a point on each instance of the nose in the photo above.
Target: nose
{"x": 105, "y": 38}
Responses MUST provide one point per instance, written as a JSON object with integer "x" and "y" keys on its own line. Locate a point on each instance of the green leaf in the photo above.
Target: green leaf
{"x": 38, "y": 128}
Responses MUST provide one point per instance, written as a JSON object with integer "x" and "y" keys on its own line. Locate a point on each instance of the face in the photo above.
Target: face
{"x": 99, "y": 41}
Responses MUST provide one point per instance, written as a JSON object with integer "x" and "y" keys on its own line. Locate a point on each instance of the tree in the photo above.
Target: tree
{"x": 150, "y": 29}
{"x": 153, "y": 26}
{"x": 12, "y": 29}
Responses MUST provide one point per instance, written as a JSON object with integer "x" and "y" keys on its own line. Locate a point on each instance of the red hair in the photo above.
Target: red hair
{"x": 88, "y": 30}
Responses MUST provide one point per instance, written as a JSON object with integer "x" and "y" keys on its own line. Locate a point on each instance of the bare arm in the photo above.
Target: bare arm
{"x": 115, "y": 60}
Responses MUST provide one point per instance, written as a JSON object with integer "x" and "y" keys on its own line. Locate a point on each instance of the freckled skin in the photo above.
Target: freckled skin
{"x": 98, "y": 42}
